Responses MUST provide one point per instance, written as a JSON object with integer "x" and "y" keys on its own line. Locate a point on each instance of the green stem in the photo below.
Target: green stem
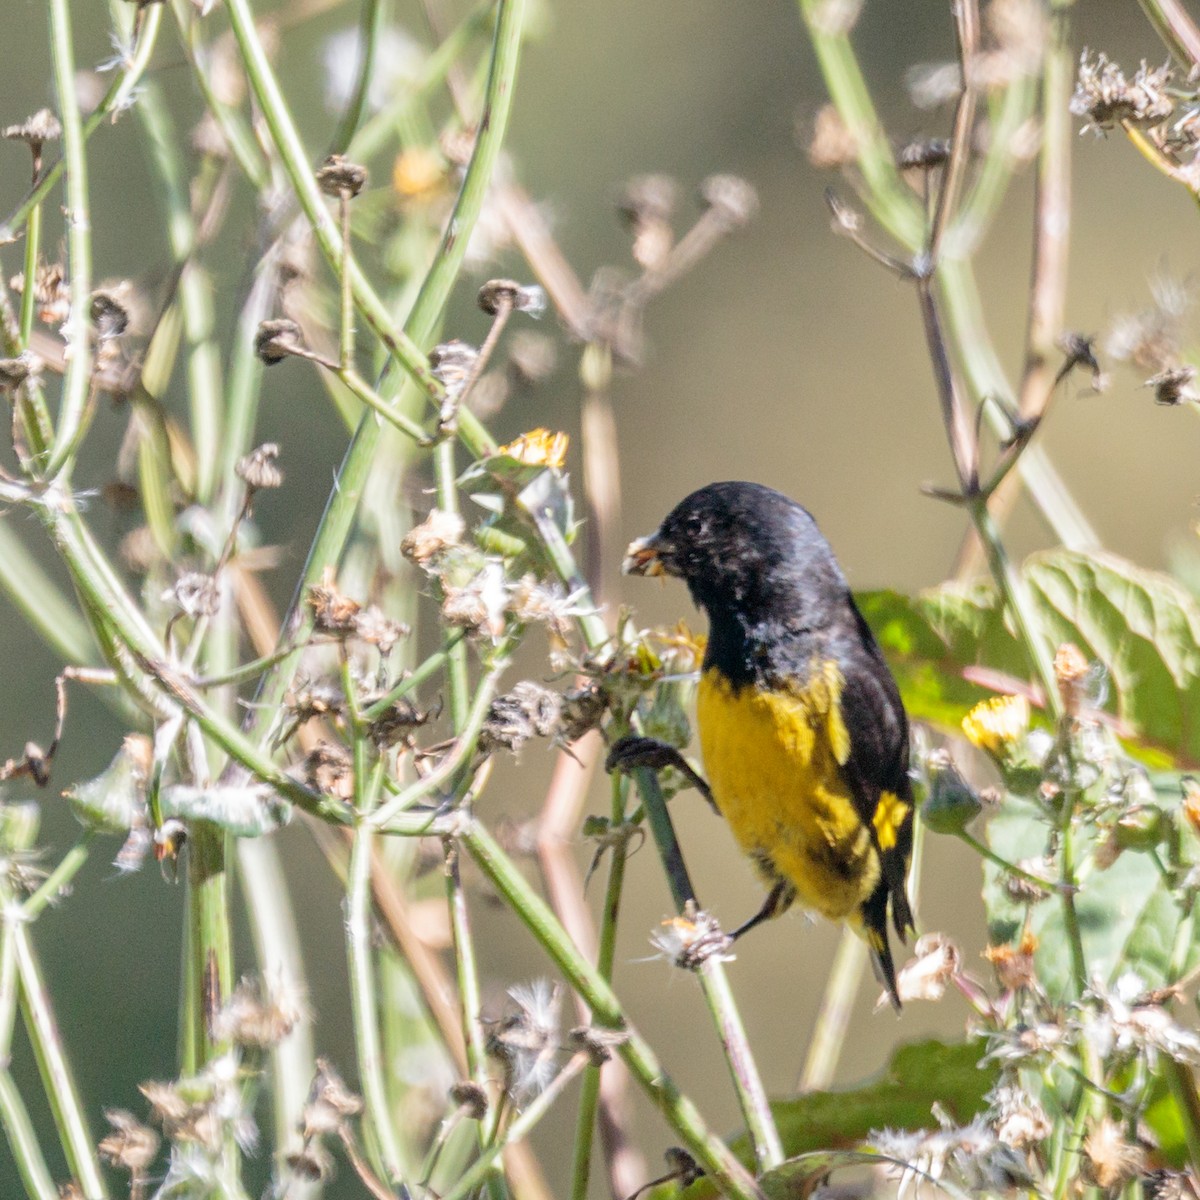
{"x": 210, "y": 939}
{"x": 374, "y": 21}
{"x": 589, "y": 1098}
{"x": 22, "y": 1141}
{"x": 483, "y": 1167}
{"x": 377, "y": 1118}
{"x": 57, "y": 1077}
{"x": 339, "y": 513}
{"x": 637, "y": 1054}
{"x": 833, "y": 1019}
{"x": 58, "y": 879}
{"x": 77, "y": 329}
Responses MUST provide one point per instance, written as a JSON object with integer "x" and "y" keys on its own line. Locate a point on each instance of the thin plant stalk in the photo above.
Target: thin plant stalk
{"x": 23, "y": 1142}
{"x": 833, "y": 1018}
{"x": 382, "y": 1140}
{"x": 679, "y": 1111}
{"x": 57, "y": 1078}
{"x": 76, "y": 379}
{"x": 533, "y": 1112}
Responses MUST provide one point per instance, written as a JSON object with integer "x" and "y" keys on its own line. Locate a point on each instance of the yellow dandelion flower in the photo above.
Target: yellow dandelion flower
{"x": 995, "y": 724}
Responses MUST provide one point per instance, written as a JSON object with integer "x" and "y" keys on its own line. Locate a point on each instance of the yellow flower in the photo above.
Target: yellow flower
{"x": 995, "y": 724}
{"x": 538, "y": 448}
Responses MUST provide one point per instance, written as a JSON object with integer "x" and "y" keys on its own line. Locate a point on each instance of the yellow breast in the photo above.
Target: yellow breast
{"x": 773, "y": 762}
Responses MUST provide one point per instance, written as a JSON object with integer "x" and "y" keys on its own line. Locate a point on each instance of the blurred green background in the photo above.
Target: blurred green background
{"x": 786, "y": 357}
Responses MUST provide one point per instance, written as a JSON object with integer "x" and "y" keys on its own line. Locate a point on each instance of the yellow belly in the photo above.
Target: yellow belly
{"x": 772, "y": 761}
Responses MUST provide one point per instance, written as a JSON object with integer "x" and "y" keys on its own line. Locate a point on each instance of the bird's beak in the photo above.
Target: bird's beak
{"x": 647, "y": 556}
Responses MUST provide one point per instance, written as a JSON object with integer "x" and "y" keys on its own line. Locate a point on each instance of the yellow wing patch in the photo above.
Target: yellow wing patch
{"x": 890, "y": 813}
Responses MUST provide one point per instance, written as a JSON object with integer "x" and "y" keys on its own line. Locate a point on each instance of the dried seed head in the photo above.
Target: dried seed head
{"x": 452, "y": 364}
{"x": 338, "y": 176}
{"x": 1080, "y": 351}
{"x": 923, "y": 154}
{"x": 1109, "y": 1160}
{"x": 333, "y": 612}
{"x": 131, "y": 1146}
{"x": 730, "y": 200}
{"x": 646, "y": 205}
{"x": 110, "y": 316}
{"x": 528, "y": 711}
{"x": 500, "y": 294}
{"x": 582, "y": 710}
{"x": 50, "y": 292}
{"x": 1019, "y": 1119}
{"x": 36, "y": 130}
{"x": 1152, "y": 339}
{"x": 15, "y": 371}
{"x": 1165, "y": 1184}
{"x": 1072, "y": 673}
{"x": 436, "y": 534}
{"x": 935, "y": 961}
{"x": 1014, "y": 964}
{"x": 194, "y": 594}
{"x": 259, "y": 1016}
{"x": 480, "y": 605}
{"x": 683, "y": 1166}
{"x": 648, "y": 198}
{"x": 595, "y": 1042}
{"x": 832, "y": 145}
{"x": 1105, "y": 99}
{"x": 373, "y": 627}
{"x": 471, "y": 1097}
{"x": 1022, "y": 889}
{"x": 689, "y": 940}
{"x": 328, "y": 769}
{"x": 278, "y": 339}
{"x": 258, "y": 469}
{"x": 398, "y": 722}
{"x": 1174, "y": 386}
{"x": 312, "y": 1162}
{"x": 330, "y": 1102}
{"x": 527, "y": 1040}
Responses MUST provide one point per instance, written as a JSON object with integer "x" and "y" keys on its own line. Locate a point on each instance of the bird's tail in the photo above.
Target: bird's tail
{"x": 874, "y": 917}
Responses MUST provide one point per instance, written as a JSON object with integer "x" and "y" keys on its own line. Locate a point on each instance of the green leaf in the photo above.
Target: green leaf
{"x": 1142, "y": 626}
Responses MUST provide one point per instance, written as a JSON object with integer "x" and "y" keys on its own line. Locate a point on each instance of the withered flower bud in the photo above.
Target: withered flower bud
{"x": 333, "y": 612}
{"x": 583, "y": 709}
{"x": 311, "y": 1162}
{"x": 1173, "y": 386}
{"x": 258, "y": 469}
{"x": 1105, "y": 99}
{"x": 923, "y": 154}
{"x": 194, "y": 594}
{"x": 14, "y": 371}
{"x": 398, "y": 722}
{"x": 258, "y": 1017}
{"x": 468, "y": 1095}
{"x": 690, "y": 940}
{"x": 131, "y": 1146}
{"x": 596, "y": 1043}
{"x": 832, "y": 145}
{"x": 683, "y": 1166}
{"x": 375, "y": 629}
{"x": 1080, "y": 351}
{"x": 730, "y": 200}
{"x": 497, "y": 294}
{"x": 109, "y": 315}
{"x": 648, "y": 198}
{"x": 278, "y": 339}
{"x": 328, "y": 769}
{"x": 1014, "y": 964}
{"x": 452, "y": 364}
{"x": 36, "y": 130}
{"x": 338, "y": 176}
{"x": 1071, "y": 671}
{"x": 438, "y": 532}
{"x": 1109, "y": 1160}
{"x": 528, "y": 711}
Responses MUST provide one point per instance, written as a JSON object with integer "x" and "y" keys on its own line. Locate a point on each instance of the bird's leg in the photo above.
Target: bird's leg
{"x": 632, "y": 751}
{"x": 779, "y": 900}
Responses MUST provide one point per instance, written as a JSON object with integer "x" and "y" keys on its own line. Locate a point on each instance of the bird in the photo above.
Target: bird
{"x": 802, "y": 730}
